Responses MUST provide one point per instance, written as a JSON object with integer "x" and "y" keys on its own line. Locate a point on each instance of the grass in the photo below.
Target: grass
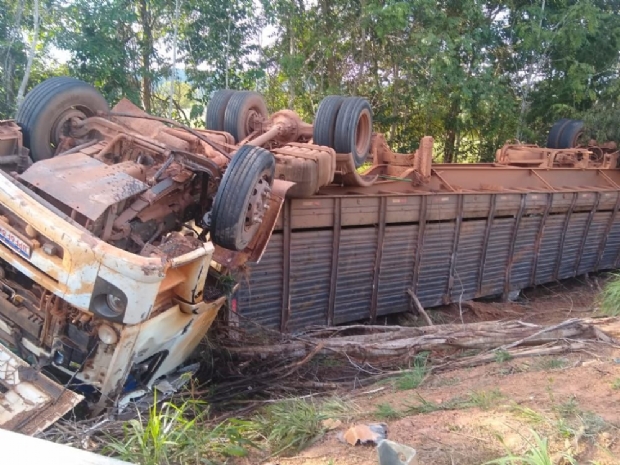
{"x": 568, "y": 408}
{"x": 537, "y": 454}
{"x": 481, "y": 399}
{"x": 528, "y": 414}
{"x": 177, "y": 434}
{"x": 548, "y": 364}
{"x": 610, "y": 298}
{"x": 485, "y": 399}
{"x": 615, "y": 384}
{"x": 385, "y": 411}
{"x": 502, "y": 356}
{"x": 412, "y": 378}
{"x": 291, "y": 425}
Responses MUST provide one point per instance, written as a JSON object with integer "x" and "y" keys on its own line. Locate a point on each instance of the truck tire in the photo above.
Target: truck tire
{"x": 553, "y": 139}
{"x": 354, "y": 129}
{"x": 325, "y": 120}
{"x": 216, "y": 109}
{"x": 243, "y": 107}
{"x": 239, "y": 204}
{"x": 570, "y": 134}
{"x": 50, "y": 106}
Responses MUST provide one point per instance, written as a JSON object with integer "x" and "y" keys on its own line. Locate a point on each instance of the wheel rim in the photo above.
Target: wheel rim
{"x": 257, "y": 206}
{"x": 250, "y": 122}
{"x": 62, "y": 124}
{"x": 363, "y": 133}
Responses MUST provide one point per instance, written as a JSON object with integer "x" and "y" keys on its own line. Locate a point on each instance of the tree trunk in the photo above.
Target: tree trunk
{"x": 291, "y": 51}
{"x": 147, "y": 53}
{"x": 9, "y": 62}
{"x": 391, "y": 345}
{"x": 395, "y": 97}
{"x": 333, "y": 84}
{"x": 173, "y": 71}
{"x": 31, "y": 53}
{"x": 450, "y": 154}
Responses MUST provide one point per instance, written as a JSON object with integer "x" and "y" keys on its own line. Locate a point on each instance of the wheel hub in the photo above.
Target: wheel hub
{"x": 258, "y": 205}
{"x": 62, "y": 125}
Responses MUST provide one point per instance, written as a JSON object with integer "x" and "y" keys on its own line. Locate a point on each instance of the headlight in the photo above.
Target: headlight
{"x": 108, "y": 301}
{"x": 107, "y": 335}
{"x": 116, "y": 304}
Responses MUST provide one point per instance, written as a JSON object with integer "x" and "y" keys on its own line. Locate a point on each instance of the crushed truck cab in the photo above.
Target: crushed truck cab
{"x": 115, "y": 227}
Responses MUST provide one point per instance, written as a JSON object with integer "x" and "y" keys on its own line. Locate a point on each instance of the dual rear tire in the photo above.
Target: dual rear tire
{"x": 565, "y": 134}
{"x": 344, "y": 124}
{"x": 236, "y": 112}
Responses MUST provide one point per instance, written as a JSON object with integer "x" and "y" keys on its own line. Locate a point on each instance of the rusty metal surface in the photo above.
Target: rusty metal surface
{"x": 311, "y": 253}
{"x": 261, "y": 287}
{"x": 355, "y": 273}
{"x": 396, "y": 270}
{"x": 471, "y": 231}
{"x": 95, "y": 186}
{"x": 468, "y": 259}
{"x": 29, "y": 401}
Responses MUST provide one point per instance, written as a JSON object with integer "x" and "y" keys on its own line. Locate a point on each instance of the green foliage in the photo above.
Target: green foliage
{"x": 180, "y": 435}
{"x": 485, "y": 399}
{"x": 537, "y": 454}
{"x": 412, "y": 378}
{"x": 502, "y": 356}
{"x": 471, "y": 74}
{"x": 290, "y": 425}
{"x": 610, "y": 298}
{"x": 385, "y": 411}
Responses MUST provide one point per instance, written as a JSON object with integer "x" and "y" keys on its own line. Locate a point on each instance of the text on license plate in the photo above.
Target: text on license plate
{"x": 11, "y": 240}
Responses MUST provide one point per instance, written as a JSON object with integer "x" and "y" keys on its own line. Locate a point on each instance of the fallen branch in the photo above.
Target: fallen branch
{"x": 419, "y": 307}
{"x": 391, "y": 345}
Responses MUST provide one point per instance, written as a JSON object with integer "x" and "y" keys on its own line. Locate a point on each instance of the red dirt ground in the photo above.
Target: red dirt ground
{"x": 571, "y": 399}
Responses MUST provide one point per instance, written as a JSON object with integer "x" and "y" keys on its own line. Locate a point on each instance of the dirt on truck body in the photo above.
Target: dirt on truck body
{"x": 109, "y": 222}
{"x": 444, "y": 233}
{"x": 116, "y": 226}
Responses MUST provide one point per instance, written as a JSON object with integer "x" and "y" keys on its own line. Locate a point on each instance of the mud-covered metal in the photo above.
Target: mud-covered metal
{"x": 29, "y": 400}
{"x": 452, "y": 233}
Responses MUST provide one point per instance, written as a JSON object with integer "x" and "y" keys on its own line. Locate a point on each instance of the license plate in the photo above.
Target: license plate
{"x": 10, "y": 239}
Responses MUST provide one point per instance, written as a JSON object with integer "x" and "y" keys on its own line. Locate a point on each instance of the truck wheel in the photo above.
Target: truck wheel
{"x": 216, "y": 109}
{"x": 354, "y": 129}
{"x": 570, "y": 134}
{"x": 325, "y": 120}
{"x": 243, "y": 112}
{"x": 46, "y": 112}
{"x": 553, "y": 139}
{"x": 242, "y": 197}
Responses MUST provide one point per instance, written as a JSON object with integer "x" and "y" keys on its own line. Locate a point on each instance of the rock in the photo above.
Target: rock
{"x": 393, "y": 453}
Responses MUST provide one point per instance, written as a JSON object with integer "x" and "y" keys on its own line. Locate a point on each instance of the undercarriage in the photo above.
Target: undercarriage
{"x": 117, "y": 228}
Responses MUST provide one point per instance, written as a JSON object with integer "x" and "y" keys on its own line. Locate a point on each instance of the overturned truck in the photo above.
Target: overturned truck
{"x": 109, "y": 223}
{"x": 116, "y": 228}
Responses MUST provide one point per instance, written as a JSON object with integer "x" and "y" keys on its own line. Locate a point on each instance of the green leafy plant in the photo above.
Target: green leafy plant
{"x": 485, "y": 399}
{"x": 537, "y": 454}
{"x": 610, "y": 297}
{"x": 502, "y": 356}
{"x": 290, "y": 425}
{"x": 387, "y": 412}
{"x": 180, "y": 434}
{"x": 413, "y": 378}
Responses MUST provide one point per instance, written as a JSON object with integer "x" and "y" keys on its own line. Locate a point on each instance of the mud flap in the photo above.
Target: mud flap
{"x": 30, "y": 401}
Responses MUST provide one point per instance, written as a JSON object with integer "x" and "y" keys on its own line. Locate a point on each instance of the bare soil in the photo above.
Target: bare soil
{"x": 485, "y": 412}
